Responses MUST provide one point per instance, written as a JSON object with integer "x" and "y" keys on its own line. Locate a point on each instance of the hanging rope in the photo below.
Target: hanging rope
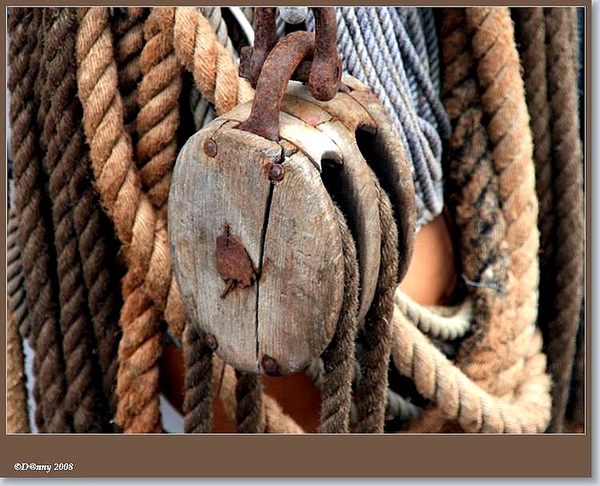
{"x": 561, "y": 331}
{"x": 158, "y": 99}
{"x": 203, "y": 112}
{"x": 24, "y": 59}
{"x": 201, "y": 54}
{"x": 376, "y": 336}
{"x": 84, "y": 399}
{"x": 17, "y": 409}
{"x": 460, "y": 399}
{"x": 249, "y": 412}
{"x": 338, "y": 359}
{"x": 127, "y": 25}
{"x": 503, "y": 355}
{"x": 198, "y": 393}
{"x": 15, "y": 283}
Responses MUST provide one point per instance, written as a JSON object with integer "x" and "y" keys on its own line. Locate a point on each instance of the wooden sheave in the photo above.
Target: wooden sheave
{"x": 259, "y": 258}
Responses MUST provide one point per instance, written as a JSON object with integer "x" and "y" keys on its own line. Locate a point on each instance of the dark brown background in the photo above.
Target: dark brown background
{"x": 309, "y": 455}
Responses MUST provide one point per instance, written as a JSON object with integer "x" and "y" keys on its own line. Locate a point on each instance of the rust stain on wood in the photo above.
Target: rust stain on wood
{"x": 233, "y": 262}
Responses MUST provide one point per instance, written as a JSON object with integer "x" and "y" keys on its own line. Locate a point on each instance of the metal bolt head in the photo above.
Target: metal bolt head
{"x": 276, "y": 172}
{"x": 210, "y": 147}
{"x": 211, "y": 342}
{"x": 270, "y": 366}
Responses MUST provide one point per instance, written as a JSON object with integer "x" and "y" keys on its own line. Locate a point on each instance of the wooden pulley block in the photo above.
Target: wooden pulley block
{"x": 359, "y": 110}
{"x": 256, "y": 247}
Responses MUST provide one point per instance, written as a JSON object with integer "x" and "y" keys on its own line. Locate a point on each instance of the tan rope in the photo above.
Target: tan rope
{"x": 128, "y": 29}
{"x": 459, "y": 398}
{"x": 17, "y": 409}
{"x": 200, "y": 52}
{"x": 335, "y": 382}
{"x": 504, "y": 354}
{"x": 503, "y": 100}
{"x": 158, "y": 98}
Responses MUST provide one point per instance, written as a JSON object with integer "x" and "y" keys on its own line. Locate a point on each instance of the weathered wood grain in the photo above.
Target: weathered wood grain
{"x": 259, "y": 264}
{"x": 352, "y": 186}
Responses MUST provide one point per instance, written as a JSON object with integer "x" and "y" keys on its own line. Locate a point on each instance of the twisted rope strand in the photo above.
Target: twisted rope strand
{"x": 17, "y": 409}
{"x": 371, "y": 390}
{"x": 15, "y": 282}
{"x": 338, "y": 359}
{"x": 24, "y": 24}
{"x": 198, "y": 393}
{"x": 459, "y": 398}
{"x": 503, "y": 101}
{"x": 83, "y": 398}
{"x": 447, "y": 323}
{"x": 127, "y": 25}
{"x": 249, "y": 413}
{"x": 561, "y": 330}
{"x": 201, "y": 54}
{"x": 158, "y": 98}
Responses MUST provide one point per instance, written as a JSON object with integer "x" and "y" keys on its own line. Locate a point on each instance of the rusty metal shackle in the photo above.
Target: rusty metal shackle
{"x": 323, "y": 73}
{"x": 271, "y": 86}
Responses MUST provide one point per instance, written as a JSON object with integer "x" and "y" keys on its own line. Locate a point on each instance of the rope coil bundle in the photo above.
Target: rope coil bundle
{"x": 120, "y": 74}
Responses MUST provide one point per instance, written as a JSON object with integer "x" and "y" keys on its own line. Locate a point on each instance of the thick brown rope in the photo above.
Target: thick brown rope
{"x": 371, "y": 391}
{"x": 17, "y": 409}
{"x": 158, "y": 99}
{"x": 127, "y": 25}
{"x": 15, "y": 283}
{"x": 338, "y": 358}
{"x": 530, "y": 34}
{"x": 101, "y": 270}
{"x": 198, "y": 393}
{"x": 200, "y": 52}
{"x": 249, "y": 412}
{"x": 561, "y": 330}
{"x": 24, "y": 24}
{"x": 84, "y": 399}
{"x": 142, "y": 234}
{"x": 135, "y": 222}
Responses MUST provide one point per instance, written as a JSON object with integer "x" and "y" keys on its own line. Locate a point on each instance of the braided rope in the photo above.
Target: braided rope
{"x": 567, "y": 169}
{"x": 83, "y": 398}
{"x": 338, "y": 359}
{"x": 24, "y": 59}
{"x": 17, "y": 409}
{"x": 377, "y": 334}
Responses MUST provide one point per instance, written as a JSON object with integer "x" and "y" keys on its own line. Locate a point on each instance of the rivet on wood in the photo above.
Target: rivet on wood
{"x": 211, "y": 342}
{"x": 270, "y": 366}
{"x": 210, "y": 147}
{"x": 276, "y": 172}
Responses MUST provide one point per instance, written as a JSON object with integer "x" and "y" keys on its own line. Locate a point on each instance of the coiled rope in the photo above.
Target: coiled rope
{"x": 504, "y": 358}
